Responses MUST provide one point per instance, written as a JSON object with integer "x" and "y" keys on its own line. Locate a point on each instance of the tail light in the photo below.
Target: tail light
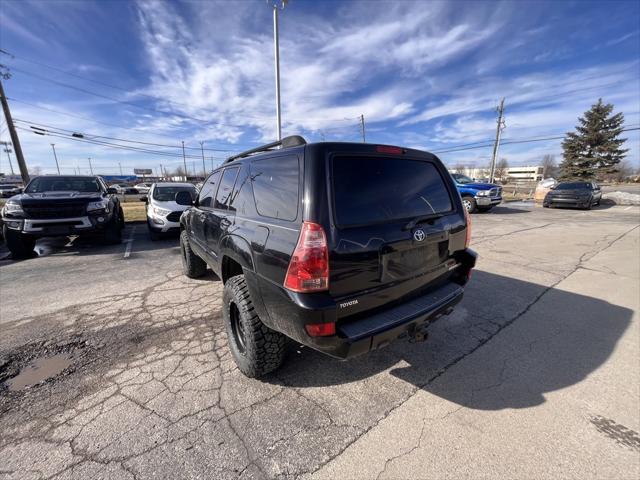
{"x": 309, "y": 266}
{"x": 467, "y": 218}
{"x": 321, "y": 329}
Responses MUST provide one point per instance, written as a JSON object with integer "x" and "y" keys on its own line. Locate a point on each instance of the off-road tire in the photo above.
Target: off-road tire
{"x": 18, "y": 244}
{"x": 264, "y": 349}
{"x": 469, "y": 203}
{"x": 192, "y": 265}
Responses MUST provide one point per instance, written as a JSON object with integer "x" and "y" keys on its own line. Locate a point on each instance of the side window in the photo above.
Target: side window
{"x": 208, "y": 190}
{"x": 226, "y": 187}
{"x": 275, "y": 187}
{"x": 241, "y": 195}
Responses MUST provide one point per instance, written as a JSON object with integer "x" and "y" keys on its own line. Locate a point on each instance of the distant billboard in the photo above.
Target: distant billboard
{"x": 142, "y": 171}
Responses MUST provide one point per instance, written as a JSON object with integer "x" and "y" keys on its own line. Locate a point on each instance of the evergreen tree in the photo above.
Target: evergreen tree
{"x": 594, "y": 149}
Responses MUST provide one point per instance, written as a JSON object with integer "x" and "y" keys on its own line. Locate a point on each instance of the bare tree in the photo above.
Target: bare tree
{"x": 459, "y": 168}
{"x": 501, "y": 169}
{"x": 37, "y": 170}
{"x": 549, "y": 166}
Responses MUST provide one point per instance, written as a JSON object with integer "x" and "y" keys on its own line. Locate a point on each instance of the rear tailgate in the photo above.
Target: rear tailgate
{"x": 375, "y": 256}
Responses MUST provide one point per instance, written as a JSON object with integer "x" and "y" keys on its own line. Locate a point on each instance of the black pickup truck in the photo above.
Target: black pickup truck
{"x": 343, "y": 247}
{"x": 55, "y": 205}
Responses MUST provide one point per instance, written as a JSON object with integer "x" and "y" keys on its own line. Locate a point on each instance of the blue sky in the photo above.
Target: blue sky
{"x": 423, "y": 74}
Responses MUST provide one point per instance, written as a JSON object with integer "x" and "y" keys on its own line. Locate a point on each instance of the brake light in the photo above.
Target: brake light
{"x": 388, "y": 149}
{"x": 309, "y": 265}
{"x": 321, "y": 329}
{"x": 467, "y": 218}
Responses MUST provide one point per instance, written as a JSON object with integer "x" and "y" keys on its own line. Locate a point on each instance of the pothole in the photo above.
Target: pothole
{"x": 38, "y": 363}
{"x": 39, "y": 370}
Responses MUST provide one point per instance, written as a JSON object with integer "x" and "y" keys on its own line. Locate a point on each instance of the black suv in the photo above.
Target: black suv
{"x": 343, "y": 247}
{"x": 574, "y": 194}
{"x": 55, "y": 205}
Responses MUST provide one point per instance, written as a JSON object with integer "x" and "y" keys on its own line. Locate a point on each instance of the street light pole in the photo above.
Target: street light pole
{"x": 90, "y": 166}
{"x": 53, "y": 146}
{"x": 204, "y": 169}
{"x": 276, "y": 50}
{"x": 184, "y": 160}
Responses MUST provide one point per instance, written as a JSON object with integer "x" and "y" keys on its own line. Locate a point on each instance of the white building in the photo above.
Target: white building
{"x": 511, "y": 174}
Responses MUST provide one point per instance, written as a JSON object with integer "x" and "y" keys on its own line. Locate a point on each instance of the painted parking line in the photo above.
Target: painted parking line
{"x": 628, "y": 208}
{"x": 129, "y": 242}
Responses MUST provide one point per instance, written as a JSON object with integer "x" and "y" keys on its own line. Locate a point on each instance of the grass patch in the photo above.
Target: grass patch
{"x": 134, "y": 212}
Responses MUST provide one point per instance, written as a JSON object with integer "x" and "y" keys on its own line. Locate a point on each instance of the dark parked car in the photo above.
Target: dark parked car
{"x": 343, "y": 247}
{"x": 59, "y": 206}
{"x": 574, "y": 194}
{"x": 9, "y": 190}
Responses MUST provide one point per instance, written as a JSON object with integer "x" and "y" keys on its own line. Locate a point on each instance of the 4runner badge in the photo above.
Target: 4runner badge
{"x": 419, "y": 235}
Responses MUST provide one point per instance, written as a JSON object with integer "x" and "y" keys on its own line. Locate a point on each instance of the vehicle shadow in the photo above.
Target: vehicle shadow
{"x": 92, "y": 245}
{"x": 525, "y": 344}
{"x": 503, "y": 210}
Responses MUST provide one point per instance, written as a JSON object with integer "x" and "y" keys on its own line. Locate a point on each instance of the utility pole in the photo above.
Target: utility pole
{"x": 276, "y": 51}
{"x": 90, "y": 166}
{"x": 496, "y": 145}
{"x": 212, "y": 164}
{"x": 53, "y": 146}
{"x": 120, "y": 165}
{"x": 184, "y": 160}
{"x": 364, "y": 138}
{"x": 204, "y": 169}
{"x": 8, "y": 150}
{"x": 14, "y": 136}
{"x": 161, "y": 173}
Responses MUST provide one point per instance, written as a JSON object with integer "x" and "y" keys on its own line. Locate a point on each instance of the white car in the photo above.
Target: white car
{"x": 143, "y": 187}
{"x": 120, "y": 187}
{"x": 163, "y": 213}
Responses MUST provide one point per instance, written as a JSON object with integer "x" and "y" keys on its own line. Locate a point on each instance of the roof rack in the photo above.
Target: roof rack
{"x": 286, "y": 142}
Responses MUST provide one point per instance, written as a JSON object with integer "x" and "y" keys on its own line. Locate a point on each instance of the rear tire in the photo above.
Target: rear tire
{"x": 20, "y": 246}
{"x": 192, "y": 265}
{"x": 469, "y": 203}
{"x": 256, "y": 349}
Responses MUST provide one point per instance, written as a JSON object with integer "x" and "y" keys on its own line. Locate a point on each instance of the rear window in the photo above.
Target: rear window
{"x": 370, "y": 190}
{"x": 275, "y": 187}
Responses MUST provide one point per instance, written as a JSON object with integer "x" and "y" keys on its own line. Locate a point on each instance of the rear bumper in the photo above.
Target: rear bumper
{"x": 288, "y": 313}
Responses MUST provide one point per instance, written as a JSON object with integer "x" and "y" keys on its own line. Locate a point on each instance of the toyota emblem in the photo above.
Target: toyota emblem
{"x": 419, "y": 235}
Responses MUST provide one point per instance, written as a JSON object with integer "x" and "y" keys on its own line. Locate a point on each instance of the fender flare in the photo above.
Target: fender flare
{"x": 237, "y": 249}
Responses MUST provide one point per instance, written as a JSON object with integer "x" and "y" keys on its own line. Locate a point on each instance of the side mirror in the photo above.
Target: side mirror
{"x": 184, "y": 198}
{"x": 111, "y": 190}
{"x": 144, "y": 199}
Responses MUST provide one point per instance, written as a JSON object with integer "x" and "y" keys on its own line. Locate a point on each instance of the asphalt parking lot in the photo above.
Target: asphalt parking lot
{"x": 535, "y": 375}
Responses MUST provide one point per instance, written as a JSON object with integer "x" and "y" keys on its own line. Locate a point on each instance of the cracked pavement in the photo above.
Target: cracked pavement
{"x": 545, "y": 341}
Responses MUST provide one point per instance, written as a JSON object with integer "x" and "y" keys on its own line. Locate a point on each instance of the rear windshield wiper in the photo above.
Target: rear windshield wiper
{"x": 420, "y": 219}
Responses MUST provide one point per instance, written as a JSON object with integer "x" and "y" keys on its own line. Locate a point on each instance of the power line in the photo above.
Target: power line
{"x": 107, "y": 144}
{"x": 120, "y": 139}
{"x": 513, "y": 142}
{"x": 124, "y": 102}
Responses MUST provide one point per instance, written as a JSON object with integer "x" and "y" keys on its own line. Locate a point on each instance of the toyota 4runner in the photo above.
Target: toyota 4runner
{"x": 343, "y": 247}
